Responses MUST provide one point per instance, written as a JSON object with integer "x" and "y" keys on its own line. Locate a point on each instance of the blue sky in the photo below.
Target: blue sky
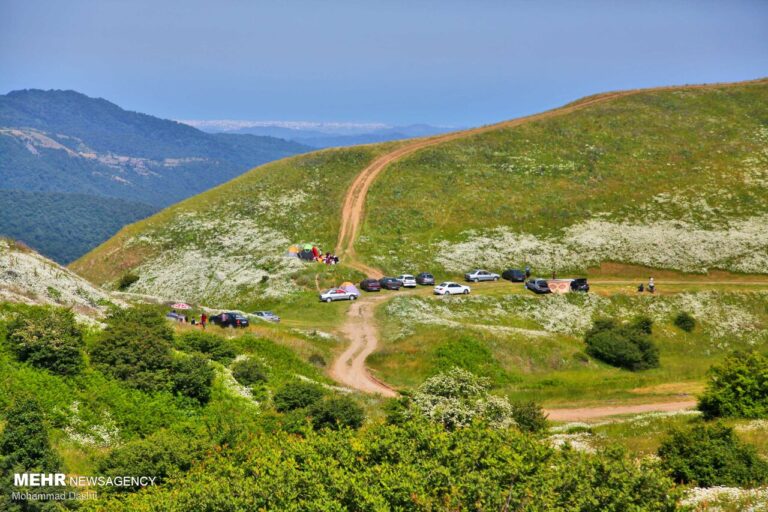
{"x": 456, "y": 63}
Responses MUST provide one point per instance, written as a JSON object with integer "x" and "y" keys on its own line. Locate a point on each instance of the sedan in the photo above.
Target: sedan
{"x": 514, "y": 275}
{"x": 481, "y": 275}
{"x": 407, "y": 280}
{"x": 425, "y": 278}
{"x": 539, "y": 286}
{"x": 229, "y": 320}
{"x": 337, "y": 294}
{"x": 370, "y": 285}
{"x": 267, "y": 316}
{"x": 450, "y": 288}
{"x": 390, "y": 283}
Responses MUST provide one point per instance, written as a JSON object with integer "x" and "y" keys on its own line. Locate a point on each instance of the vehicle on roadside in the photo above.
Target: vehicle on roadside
{"x": 390, "y": 283}
{"x": 481, "y": 275}
{"x": 337, "y": 294}
{"x": 267, "y": 316}
{"x": 229, "y": 319}
{"x": 370, "y": 285}
{"x": 539, "y": 286}
{"x": 580, "y": 284}
{"x": 425, "y": 279}
{"x": 407, "y": 280}
{"x": 514, "y": 275}
{"x": 451, "y": 288}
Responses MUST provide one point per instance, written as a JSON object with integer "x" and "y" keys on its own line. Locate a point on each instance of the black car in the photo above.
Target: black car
{"x": 390, "y": 283}
{"x": 425, "y": 278}
{"x": 230, "y": 320}
{"x": 514, "y": 275}
{"x": 370, "y": 285}
{"x": 539, "y": 286}
{"x": 580, "y": 285}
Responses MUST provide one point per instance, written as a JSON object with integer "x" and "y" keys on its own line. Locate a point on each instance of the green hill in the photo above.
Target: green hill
{"x": 671, "y": 179}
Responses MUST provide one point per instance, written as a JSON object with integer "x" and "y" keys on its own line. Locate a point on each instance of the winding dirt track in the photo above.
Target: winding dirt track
{"x": 360, "y": 329}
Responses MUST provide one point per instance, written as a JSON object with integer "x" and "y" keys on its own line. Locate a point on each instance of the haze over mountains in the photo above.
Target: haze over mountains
{"x": 321, "y": 135}
{"x": 74, "y": 169}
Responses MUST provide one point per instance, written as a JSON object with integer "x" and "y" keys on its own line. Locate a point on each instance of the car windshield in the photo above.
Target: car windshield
{"x": 443, "y": 284}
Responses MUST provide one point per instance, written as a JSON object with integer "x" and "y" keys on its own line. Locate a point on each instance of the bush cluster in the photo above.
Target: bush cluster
{"x": 47, "y": 337}
{"x": 306, "y": 402}
{"x": 709, "y": 455}
{"x": 249, "y": 371}
{"x": 626, "y": 346}
{"x": 126, "y": 280}
{"x": 215, "y": 347}
{"x": 685, "y": 321}
{"x": 738, "y": 387}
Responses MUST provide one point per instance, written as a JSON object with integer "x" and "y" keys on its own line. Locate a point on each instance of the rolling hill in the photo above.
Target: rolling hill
{"x": 63, "y": 142}
{"x": 669, "y": 178}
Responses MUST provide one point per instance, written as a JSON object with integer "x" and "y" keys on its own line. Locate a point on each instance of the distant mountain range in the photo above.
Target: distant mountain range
{"x": 80, "y": 153}
{"x": 321, "y": 135}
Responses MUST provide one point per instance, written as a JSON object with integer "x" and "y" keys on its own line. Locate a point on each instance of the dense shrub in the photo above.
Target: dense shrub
{"x": 685, "y": 321}
{"x": 135, "y": 347}
{"x": 126, "y": 280}
{"x": 217, "y": 348}
{"x": 709, "y": 455}
{"x": 249, "y": 371}
{"x": 624, "y": 345}
{"x": 415, "y": 466}
{"x": 25, "y": 448}
{"x": 192, "y": 376}
{"x": 161, "y": 455}
{"x": 335, "y": 413}
{"x": 738, "y": 387}
{"x": 529, "y": 416}
{"x": 297, "y": 395}
{"x": 47, "y": 338}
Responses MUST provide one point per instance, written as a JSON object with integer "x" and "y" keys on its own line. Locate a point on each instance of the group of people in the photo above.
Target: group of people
{"x": 329, "y": 259}
{"x": 184, "y": 319}
{"x": 651, "y": 286}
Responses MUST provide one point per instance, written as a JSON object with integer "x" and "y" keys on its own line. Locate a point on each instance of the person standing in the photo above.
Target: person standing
{"x": 203, "y": 320}
{"x": 651, "y": 285}
{"x": 527, "y": 271}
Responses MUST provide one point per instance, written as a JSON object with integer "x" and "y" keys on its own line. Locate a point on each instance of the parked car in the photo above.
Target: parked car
{"x": 229, "y": 320}
{"x": 337, "y": 294}
{"x": 390, "y": 283}
{"x": 266, "y": 315}
{"x": 539, "y": 286}
{"x": 450, "y": 288}
{"x": 580, "y": 284}
{"x": 370, "y": 285}
{"x": 407, "y": 280}
{"x": 514, "y": 275}
{"x": 425, "y": 278}
{"x": 481, "y": 275}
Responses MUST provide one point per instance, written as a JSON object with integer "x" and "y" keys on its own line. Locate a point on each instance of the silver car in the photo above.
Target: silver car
{"x": 337, "y": 294}
{"x": 481, "y": 275}
{"x": 407, "y": 280}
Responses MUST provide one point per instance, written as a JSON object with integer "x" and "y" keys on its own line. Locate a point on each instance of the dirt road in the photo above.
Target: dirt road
{"x": 591, "y": 413}
{"x": 360, "y": 328}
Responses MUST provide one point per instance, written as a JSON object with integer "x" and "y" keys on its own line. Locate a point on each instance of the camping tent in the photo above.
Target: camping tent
{"x": 349, "y": 287}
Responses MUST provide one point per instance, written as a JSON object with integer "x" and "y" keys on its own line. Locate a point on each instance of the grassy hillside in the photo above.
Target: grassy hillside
{"x": 670, "y": 179}
{"x": 673, "y": 179}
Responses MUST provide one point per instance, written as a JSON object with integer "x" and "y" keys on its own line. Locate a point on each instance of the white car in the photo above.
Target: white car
{"x": 407, "y": 280}
{"x": 481, "y": 275}
{"x": 450, "y": 288}
{"x": 337, "y": 294}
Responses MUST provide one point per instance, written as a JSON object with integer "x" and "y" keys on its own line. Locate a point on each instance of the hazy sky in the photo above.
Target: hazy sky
{"x": 455, "y": 63}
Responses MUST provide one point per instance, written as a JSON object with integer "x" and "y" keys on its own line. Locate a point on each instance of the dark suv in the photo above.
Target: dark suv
{"x": 370, "y": 285}
{"x": 390, "y": 283}
{"x": 425, "y": 278}
{"x": 539, "y": 286}
{"x": 580, "y": 285}
{"x": 514, "y": 275}
{"x": 230, "y": 320}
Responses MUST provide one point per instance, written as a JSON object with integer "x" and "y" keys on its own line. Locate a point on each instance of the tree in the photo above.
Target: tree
{"x": 135, "y": 347}
{"x": 624, "y": 345}
{"x": 47, "y": 337}
{"x": 709, "y": 455}
{"x": 738, "y": 387}
{"x": 297, "y": 395}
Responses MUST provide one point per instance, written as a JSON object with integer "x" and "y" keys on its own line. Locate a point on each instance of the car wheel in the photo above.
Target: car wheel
{"x": 474, "y": 280}
{"x": 466, "y": 292}
{"x": 495, "y": 278}
{"x": 328, "y": 300}
{"x": 352, "y": 297}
